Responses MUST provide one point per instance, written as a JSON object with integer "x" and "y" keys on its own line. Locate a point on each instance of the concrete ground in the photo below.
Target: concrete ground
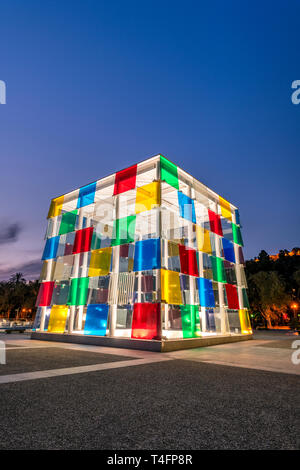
{"x": 234, "y": 396}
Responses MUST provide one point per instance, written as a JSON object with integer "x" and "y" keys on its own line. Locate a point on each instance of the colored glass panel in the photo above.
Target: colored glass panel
{"x": 225, "y": 208}
{"x": 68, "y": 222}
{"x": 245, "y": 322}
{"x": 228, "y": 250}
{"x": 170, "y": 287}
{"x": 55, "y": 207}
{"x": 188, "y": 261}
{"x": 96, "y": 241}
{"x": 100, "y": 262}
{"x": 38, "y": 317}
{"x": 51, "y": 247}
{"x": 147, "y": 197}
{"x": 241, "y": 255}
{"x": 124, "y": 251}
{"x": 125, "y": 180}
{"x": 78, "y": 291}
{"x": 147, "y": 254}
{"x": 173, "y": 249}
{"x": 146, "y": 321}
{"x": 206, "y": 293}
{"x": 189, "y": 314}
{"x": 245, "y": 298}
{"x": 96, "y": 320}
{"x": 169, "y": 172}
{"x": 123, "y": 230}
{"x": 83, "y": 239}
{"x": 203, "y": 240}
{"x": 215, "y": 223}
{"x": 218, "y": 269}
{"x": 232, "y": 296}
{"x": 237, "y": 217}
{"x": 86, "y": 195}
{"x": 58, "y": 318}
{"x": 45, "y": 294}
{"x": 186, "y": 207}
{"x": 60, "y": 293}
{"x": 237, "y": 236}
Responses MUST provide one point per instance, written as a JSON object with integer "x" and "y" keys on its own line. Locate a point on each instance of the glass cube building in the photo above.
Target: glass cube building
{"x": 147, "y": 253}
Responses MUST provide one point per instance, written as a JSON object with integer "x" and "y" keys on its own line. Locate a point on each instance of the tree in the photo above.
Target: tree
{"x": 267, "y": 294}
{"x": 16, "y": 294}
{"x": 17, "y": 279}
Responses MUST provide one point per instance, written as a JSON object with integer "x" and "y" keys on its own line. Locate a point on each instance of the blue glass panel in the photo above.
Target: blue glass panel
{"x": 96, "y": 319}
{"x": 38, "y": 317}
{"x": 237, "y": 217}
{"x": 228, "y": 250}
{"x": 86, "y": 195}
{"x": 210, "y": 320}
{"x": 186, "y": 207}
{"x": 50, "y": 249}
{"x": 206, "y": 293}
{"x": 147, "y": 255}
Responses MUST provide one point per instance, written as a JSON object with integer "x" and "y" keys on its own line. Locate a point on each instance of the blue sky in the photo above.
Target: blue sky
{"x": 93, "y": 87}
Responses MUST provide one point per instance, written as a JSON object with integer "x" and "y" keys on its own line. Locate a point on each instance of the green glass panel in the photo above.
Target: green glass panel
{"x": 73, "y": 292}
{"x": 245, "y": 298}
{"x": 78, "y": 291}
{"x": 190, "y": 320}
{"x": 237, "y": 236}
{"x": 96, "y": 241}
{"x": 68, "y": 222}
{"x": 219, "y": 274}
{"x": 169, "y": 172}
{"x": 123, "y": 230}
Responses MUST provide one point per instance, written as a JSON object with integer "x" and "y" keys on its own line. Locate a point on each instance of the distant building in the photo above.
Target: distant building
{"x": 148, "y": 253}
{"x": 294, "y": 252}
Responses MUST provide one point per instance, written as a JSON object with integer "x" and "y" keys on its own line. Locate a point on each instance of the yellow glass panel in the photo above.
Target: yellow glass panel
{"x": 55, "y": 207}
{"x": 203, "y": 240}
{"x": 225, "y": 208}
{"x": 173, "y": 249}
{"x": 100, "y": 262}
{"x": 147, "y": 197}
{"x": 45, "y": 268}
{"x": 58, "y": 318}
{"x": 170, "y": 287}
{"x": 245, "y": 322}
{"x": 130, "y": 264}
{"x": 44, "y": 271}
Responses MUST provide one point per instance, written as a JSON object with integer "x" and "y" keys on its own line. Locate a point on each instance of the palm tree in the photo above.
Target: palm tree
{"x": 17, "y": 278}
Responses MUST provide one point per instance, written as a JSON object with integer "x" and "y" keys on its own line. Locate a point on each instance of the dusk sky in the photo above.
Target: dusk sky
{"x": 94, "y": 86}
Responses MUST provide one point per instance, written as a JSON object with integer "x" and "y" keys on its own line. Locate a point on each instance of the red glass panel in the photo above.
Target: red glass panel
{"x": 242, "y": 259}
{"x": 125, "y": 180}
{"x": 188, "y": 261}
{"x": 232, "y": 296}
{"x": 146, "y": 321}
{"x": 45, "y": 294}
{"x": 83, "y": 239}
{"x": 215, "y": 223}
{"x": 124, "y": 250}
{"x": 68, "y": 249}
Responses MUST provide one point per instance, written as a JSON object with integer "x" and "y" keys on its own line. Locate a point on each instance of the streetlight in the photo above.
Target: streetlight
{"x": 294, "y": 307}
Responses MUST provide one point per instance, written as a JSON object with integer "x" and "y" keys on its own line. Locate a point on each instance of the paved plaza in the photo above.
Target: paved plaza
{"x": 234, "y": 396}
